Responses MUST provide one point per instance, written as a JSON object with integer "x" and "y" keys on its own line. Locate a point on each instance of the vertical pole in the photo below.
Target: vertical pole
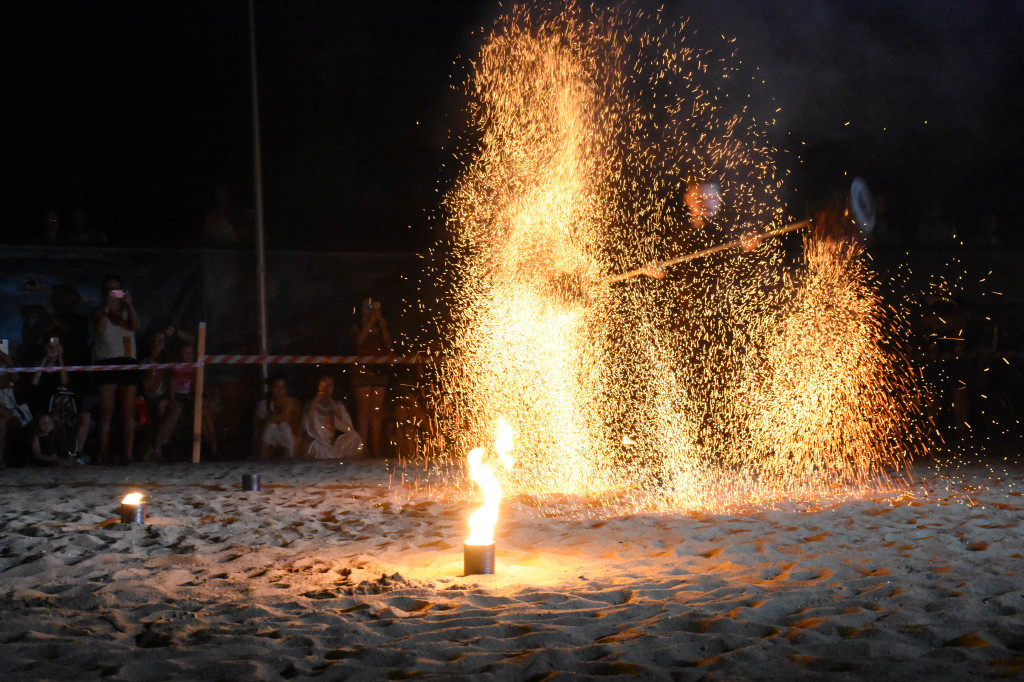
{"x": 197, "y": 412}
{"x": 261, "y": 262}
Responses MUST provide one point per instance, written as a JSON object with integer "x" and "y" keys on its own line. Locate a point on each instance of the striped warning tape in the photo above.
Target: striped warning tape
{"x": 238, "y": 360}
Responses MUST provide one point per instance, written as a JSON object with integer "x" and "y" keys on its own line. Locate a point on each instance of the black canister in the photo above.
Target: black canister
{"x": 133, "y": 513}
{"x": 478, "y": 559}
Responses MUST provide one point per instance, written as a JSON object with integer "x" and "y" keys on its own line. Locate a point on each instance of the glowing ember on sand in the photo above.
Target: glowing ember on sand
{"x": 736, "y": 379}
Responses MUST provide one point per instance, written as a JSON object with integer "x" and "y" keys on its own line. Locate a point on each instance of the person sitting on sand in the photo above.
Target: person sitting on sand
{"x": 329, "y": 425}
{"x": 48, "y": 392}
{"x": 277, "y": 421}
{"x": 8, "y": 419}
{"x": 45, "y": 446}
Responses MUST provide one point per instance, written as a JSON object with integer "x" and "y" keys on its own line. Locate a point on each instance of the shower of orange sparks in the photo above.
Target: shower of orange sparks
{"x": 738, "y": 379}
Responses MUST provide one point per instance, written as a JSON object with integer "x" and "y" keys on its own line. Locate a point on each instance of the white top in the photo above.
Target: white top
{"x": 115, "y": 341}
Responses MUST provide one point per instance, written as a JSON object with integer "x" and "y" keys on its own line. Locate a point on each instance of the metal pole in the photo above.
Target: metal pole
{"x": 198, "y": 386}
{"x": 261, "y": 262}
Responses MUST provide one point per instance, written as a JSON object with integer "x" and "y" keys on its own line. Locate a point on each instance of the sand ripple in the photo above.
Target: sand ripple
{"x": 329, "y": 571}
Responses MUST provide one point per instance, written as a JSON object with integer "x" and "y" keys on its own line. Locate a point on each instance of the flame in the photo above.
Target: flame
{"x": 132, "y": 499}
{"x": 482, "y": 521}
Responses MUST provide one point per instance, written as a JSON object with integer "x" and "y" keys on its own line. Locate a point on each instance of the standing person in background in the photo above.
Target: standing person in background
{"x": 369, "y": 382}
{"x": 156, "y": 387}
{"x": 183, "y": 384}
{"x": 115, "y": 323}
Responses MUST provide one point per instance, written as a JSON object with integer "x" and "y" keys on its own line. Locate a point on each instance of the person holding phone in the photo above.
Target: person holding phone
{"x": 115, "y": 323}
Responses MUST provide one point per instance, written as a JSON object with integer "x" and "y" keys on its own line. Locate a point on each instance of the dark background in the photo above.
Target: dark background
{"x": 134, "y": 110}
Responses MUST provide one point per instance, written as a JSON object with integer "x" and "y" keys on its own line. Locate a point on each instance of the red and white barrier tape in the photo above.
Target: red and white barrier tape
{"x": 237, "y": 360}
{"x": 315, "y": 359}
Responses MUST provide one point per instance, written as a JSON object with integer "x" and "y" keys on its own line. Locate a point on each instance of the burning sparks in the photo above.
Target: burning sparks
{"x": 597, "y": 147}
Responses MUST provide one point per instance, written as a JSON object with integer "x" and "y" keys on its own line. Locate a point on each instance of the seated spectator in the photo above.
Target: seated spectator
{"x": 8, "y": 405}
{"x": 278, "y": 421}
{"x": 46, "y": 446}
{"x": 49, "y": 393}
{"x": 329, "y": 425}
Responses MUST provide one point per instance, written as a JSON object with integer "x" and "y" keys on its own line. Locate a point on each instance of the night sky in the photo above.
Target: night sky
{"x": 135, "y": 110}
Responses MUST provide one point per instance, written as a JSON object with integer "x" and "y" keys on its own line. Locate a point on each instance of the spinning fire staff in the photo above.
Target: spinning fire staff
{"x": 860, "y": 207}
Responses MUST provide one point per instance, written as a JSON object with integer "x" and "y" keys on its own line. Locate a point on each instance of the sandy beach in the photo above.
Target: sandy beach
{"x": 329, "y": 572}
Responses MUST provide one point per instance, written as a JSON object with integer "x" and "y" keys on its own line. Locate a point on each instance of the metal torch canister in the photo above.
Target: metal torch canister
{"x": 133, "y": 513}
{"x": 250, "y": 482}
{"x": 478, "y": 559}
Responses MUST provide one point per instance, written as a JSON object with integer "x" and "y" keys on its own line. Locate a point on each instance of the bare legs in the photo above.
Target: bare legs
{"x": 82, "y": 422}
{"x": 6, "y": 417}
{"x": 168, "y": 413}
{"x": 370, "y": 416}
{"x": 109, "y": 396}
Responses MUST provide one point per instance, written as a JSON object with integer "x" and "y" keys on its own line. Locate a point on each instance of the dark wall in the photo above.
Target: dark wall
{"x": 311, "y": 297}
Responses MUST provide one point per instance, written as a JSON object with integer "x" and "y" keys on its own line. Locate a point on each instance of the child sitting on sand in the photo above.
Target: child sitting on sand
{"x": 45, "y": 445}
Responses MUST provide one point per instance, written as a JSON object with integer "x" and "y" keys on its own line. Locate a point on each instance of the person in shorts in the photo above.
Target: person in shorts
{"x": 114, "y": 325}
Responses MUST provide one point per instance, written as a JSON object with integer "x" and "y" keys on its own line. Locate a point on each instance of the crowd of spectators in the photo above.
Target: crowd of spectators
{"x": 145, "y": 412}
{"x": 361, "y": 410}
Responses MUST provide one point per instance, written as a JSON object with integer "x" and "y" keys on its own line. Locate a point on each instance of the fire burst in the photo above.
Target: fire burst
{"x": 737, "y": 378}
